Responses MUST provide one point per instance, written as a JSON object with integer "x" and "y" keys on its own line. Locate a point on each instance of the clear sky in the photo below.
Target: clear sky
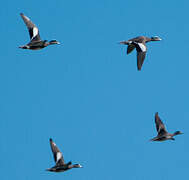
{"x": 87, "y": 93}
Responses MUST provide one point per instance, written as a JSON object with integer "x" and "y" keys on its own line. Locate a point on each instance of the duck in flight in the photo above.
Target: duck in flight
{"x": 35, "y": 40}
{"x": 162, "y": 133}
{"x": 140, "y": 44}
{"x": 60, "y": 166}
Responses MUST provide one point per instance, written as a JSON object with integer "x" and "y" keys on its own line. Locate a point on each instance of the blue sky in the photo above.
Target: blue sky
{"x": 87, "y": 93}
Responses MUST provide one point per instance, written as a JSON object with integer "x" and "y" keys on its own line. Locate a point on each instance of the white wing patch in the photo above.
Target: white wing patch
{"x": 35, "y": 32}
{"x": 58, "y": 156}
{"x": 142, "y": 47}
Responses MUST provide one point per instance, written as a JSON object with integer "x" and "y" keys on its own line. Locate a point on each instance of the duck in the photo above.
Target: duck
{"x": 60, "y": 166}
{"x": 35, "y": 41}
{"x": 140, "y": 44}
{"x": 163, "y": 135}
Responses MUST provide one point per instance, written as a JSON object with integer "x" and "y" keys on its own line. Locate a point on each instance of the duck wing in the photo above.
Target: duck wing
{"x": 32, "y": 28}
{"x": 58, "y": 157}
{"x": 141, "y": 53}
{"x": 159, "y": 125}
{"x": 130, "y": 48}
{"x": 140, "y": 59}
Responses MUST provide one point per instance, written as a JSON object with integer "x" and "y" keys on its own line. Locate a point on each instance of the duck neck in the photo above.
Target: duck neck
{"x": 148, "y": 39}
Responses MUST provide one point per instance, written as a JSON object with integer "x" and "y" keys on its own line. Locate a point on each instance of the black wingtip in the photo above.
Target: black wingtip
{"x": 50, "y": 139}
{"x": 21, "y": 14}
{"x": 139, "y": 68}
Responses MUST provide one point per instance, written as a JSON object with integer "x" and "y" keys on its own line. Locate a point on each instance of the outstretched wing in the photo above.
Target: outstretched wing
{"x": 32, "y": 28}
{"x": 141, "y": 53}
{"x": 58, "y": 157}
{"x": 130, "y": 48}
{"x": 140, "y": 59}
{"x": 159, "y": 125}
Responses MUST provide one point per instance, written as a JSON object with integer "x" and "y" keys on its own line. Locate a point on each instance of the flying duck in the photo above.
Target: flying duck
{"x": 35, "y": 40}
{"x": 140, "y": 44}
{"x": 162, "y": 133}
{"x": 60, "y": 166}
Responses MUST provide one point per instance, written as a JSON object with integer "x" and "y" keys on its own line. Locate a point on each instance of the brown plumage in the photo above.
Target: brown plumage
{"x": 60, "y": 166}
{"x": 35, "y": 40}
{"x": 162, "y": 132}
{"x": 58, "y": 157}
{"x": 140, "y": 44}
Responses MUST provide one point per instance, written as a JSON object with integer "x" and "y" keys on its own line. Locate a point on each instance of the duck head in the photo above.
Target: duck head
{"x": 53, "y": 42}
{"x": 177, "y": 133}
{"x": 156, "y": 38}
{"x": 77, "y": 166}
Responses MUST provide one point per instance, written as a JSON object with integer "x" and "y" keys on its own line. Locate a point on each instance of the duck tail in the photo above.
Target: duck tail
{"x": 125, "y": 42}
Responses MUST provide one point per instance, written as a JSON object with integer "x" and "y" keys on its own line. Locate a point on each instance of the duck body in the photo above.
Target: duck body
{"x": 60, "y": 166}
{"x": 163, "y": 135}
{"x": 35, "y": 45}
{"x": 35, "y": 41}
{"x": 58, "y": 169}
{"x": 140, "y": 44}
